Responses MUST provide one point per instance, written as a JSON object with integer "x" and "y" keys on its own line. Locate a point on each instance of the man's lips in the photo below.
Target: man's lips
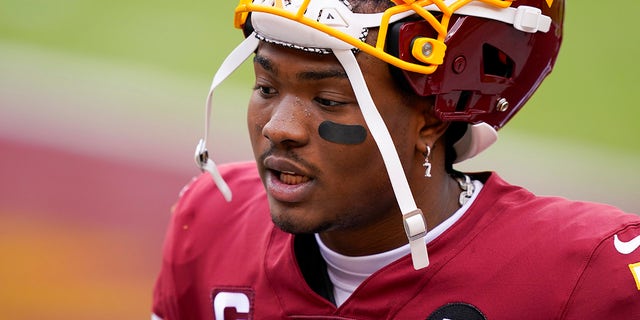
{"x": 287, "y": 169}
{"x": 286, "y": 181}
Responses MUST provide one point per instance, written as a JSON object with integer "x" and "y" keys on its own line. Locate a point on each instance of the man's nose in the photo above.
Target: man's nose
{"x": 288, "y": 124}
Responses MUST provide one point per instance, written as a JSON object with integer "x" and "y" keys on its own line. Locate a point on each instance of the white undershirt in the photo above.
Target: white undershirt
{"x": 347, "y": 273}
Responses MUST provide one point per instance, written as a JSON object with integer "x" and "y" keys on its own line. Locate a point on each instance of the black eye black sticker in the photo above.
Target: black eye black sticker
{"x": 342, "y": 133}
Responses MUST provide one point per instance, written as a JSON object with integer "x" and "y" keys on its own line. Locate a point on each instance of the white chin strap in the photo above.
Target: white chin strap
{"x": 230, "y": 64}
{"x": 415, "y": 224}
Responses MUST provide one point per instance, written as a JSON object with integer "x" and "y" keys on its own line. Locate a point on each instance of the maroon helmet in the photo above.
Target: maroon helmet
{"x": 490, "y": 68}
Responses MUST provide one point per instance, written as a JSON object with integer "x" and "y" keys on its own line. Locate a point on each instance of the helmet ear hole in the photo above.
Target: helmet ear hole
{"x": 496, "y": 63}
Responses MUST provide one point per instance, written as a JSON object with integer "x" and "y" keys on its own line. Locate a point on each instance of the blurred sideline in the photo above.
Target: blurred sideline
{"x": 94, "y": 155}
{"x": 81, "y": 235}
{"x": 563, "y": 168}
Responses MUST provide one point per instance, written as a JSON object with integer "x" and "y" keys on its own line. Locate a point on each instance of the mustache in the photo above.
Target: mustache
{"x": 289, "y": 154}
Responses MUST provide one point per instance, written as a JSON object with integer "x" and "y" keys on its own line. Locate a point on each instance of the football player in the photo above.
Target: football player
{"x": 353, "y": 208}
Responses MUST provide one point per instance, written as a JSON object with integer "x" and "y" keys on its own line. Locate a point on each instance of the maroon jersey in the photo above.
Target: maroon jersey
{"x": 512, "y": 255}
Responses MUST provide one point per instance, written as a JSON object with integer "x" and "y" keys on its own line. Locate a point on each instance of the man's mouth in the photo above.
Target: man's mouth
{"x": 291, "y": 178}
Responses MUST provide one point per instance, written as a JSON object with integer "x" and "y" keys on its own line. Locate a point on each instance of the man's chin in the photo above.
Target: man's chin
{"x": 298, "y": 227}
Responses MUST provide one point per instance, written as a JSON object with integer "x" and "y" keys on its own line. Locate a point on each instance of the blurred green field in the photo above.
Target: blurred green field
{"x": 188, "y": 38}
{"x": 587, "y": 97}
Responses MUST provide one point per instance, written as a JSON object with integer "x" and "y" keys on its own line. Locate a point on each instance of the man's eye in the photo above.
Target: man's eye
{"x": 265, "y": 91}
{"x": 328, "y": 103}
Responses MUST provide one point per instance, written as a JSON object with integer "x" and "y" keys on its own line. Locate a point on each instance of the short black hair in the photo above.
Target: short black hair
{"x": 370, "y": 6}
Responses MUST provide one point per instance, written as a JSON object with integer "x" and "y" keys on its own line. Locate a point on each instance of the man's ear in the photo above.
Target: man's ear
{"x": 431, "y": 130}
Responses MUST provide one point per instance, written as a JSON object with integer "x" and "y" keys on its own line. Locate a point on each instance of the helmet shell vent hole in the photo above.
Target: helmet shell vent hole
{"x": 496, "y": 63}
{"x": 463, "y": 101}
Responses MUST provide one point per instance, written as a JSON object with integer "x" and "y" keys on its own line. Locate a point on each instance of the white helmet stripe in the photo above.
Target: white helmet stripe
{"x": 524, "y": 18}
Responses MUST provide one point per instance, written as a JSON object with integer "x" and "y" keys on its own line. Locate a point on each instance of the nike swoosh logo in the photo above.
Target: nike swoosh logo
{"x": 628, "y": 246}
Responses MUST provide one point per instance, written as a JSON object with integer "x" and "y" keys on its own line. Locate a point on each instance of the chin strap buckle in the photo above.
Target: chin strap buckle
{"x": 206, "y": 164}
{"x": 415, "y": 226}
{"x": 202, "y": 155}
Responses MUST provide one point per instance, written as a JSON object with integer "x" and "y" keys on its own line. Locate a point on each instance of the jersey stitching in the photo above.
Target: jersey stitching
{"x": 265, "y": 268}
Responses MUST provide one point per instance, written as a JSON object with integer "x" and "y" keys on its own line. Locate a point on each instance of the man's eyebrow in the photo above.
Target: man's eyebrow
{"x": 265, "y": 63}
{"x": 322, "y": 74}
